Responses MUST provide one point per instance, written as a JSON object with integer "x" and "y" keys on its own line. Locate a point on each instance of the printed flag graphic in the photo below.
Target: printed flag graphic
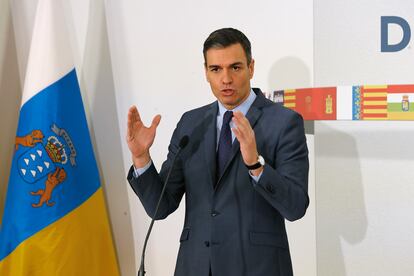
{"x": 400, "y": 102}
{"x": 317, "y": 103}
{"x": 311, "y": 103}
{"x": 370, "y": 102}
{"x": 55, "y": 220}
{"x": 358, "y": 102}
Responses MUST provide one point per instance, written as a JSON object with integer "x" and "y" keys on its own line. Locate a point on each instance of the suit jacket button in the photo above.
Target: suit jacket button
{"x": 214, "y": 213}
{"x": 270, "y": 189}
{"x": 207, "y": 243}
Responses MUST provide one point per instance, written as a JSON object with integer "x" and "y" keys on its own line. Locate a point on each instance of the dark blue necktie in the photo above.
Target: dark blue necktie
{"x": 225, "y": 142}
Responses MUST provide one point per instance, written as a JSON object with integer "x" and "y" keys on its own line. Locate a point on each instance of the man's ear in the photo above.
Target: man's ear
{"x": 251, "y": 68}
{"x": 206, "y": 72}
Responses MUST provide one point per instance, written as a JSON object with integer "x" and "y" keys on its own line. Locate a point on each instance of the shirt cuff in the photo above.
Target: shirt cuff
{"x": 255, "y": 178}
{"x": 138, "y": 171}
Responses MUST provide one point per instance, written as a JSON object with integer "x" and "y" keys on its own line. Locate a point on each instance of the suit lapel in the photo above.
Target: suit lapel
{"x": 210, "y": 137}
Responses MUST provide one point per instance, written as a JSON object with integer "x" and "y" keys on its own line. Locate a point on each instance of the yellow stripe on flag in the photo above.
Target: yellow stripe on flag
{"x": 80, "y": 243}
{"x": 288, "y": 98}
{"x": 375, "y": 103}
{"x": 375, "y": 111}
{"x": 401, "y": 116}
{"x": 375, "y": 94}
{"x": 375, "y": 119}
{"x": 289, "y": 91}
{"x": 375, "y": 87}
{"x": 290, "y": 105}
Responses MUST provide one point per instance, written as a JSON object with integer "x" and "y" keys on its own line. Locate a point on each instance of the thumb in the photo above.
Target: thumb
{"x": 156, "y": 121}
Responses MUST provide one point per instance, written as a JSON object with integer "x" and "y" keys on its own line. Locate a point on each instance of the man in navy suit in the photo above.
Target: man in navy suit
{"x": 244, "y": 171}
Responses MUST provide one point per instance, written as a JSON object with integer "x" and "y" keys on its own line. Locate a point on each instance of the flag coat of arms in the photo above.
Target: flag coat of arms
{"x": 55, "y": 220}
{"x": 400, "y": 102}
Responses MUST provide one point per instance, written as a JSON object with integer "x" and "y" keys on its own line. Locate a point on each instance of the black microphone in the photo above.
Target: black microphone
{"x": 183, "y": 143}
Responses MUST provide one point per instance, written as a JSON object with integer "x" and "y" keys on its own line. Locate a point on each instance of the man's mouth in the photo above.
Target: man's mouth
{"x": 227, "y": 92}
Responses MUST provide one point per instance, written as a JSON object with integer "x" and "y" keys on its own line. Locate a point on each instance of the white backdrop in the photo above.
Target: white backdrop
{"x": 148, "y": 53}
{"x": 157, "y": 64}
{"x": 364, "y": 175}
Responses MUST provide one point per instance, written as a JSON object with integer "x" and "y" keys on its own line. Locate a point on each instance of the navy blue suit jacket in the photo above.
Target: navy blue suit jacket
{"x": 238, "y": 227}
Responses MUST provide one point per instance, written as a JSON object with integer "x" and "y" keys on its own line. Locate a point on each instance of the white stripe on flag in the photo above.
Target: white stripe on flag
{"x": 50, "y": 52}
{"x": 397, "y": 98}
{"x": 344, "y": 103}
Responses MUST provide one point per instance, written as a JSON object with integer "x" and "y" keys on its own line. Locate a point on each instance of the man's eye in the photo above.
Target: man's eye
{"x": 236, "y": 68}
{"x": 214, "y": 69}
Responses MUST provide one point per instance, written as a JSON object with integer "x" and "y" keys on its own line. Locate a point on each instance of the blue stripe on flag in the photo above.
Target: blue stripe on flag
{"x": 356, "y": 103}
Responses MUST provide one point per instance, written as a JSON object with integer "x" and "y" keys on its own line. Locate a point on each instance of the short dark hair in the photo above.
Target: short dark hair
{"x": 225, "y": 37}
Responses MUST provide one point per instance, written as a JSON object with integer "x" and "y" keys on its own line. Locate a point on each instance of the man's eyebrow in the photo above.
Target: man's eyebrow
{"x": 231, "y": 65}
{"x": 213, "y": 66}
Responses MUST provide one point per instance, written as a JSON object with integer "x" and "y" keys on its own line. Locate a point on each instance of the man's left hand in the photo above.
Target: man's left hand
{"x": 245, "y": 135}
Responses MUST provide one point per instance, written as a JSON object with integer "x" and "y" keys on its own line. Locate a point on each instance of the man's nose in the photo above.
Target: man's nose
{"x": 227, "y": 77}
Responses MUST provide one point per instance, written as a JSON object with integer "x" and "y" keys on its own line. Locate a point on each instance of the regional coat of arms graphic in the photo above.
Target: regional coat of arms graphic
{"x": 45, "y": 160}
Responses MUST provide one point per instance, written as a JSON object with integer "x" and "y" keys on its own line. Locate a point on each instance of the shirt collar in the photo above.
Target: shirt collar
{"x": 243, "y": 107}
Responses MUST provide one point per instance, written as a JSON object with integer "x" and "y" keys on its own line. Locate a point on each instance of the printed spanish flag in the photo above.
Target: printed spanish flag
{"x": 55, "y": 220}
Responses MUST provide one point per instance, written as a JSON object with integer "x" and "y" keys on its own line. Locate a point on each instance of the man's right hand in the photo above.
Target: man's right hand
{"x": 139, "y": 137}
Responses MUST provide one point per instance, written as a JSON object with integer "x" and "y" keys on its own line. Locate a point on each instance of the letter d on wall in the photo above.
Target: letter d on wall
{"x": 387, "y": 20}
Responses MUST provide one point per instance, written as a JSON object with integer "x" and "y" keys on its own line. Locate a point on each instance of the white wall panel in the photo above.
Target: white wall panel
{"x": 149, "y": 53}
{"x": 364, "y": 176}
{"x": 158, "y": 65}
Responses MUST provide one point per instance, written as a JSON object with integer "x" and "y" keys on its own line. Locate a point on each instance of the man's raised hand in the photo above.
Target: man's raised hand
{"x": 139, "y": 137}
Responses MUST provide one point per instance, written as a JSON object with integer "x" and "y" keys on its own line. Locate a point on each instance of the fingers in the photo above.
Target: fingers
{"x": 136, "y": 128}
{"x": 242, "y": 128}
{"x": 133, "y": 114}
{"x": 133, "y": 120}
{"x": 241, "y": 136}
{"x": 246, "y": 137}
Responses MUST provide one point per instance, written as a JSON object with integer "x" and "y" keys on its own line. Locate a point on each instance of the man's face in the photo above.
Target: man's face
{"x": 229, "y": 74}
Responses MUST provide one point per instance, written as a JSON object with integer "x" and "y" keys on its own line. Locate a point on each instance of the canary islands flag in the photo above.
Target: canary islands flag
{"x": 55, "y": 220}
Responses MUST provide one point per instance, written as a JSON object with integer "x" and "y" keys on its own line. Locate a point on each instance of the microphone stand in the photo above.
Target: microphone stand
{"x": 183, "y": 143}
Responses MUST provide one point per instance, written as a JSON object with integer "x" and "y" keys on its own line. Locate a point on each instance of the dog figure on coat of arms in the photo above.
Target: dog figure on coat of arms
{"x": 53, "y": 179}
{"x": 30, "y": 140}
